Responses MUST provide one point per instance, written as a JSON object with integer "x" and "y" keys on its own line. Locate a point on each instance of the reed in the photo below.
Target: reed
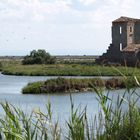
{"x": 69, "y": 85}
{"x": 117, "y": 119}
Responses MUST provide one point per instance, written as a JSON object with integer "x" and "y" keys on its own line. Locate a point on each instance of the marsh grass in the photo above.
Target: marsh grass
{"x": 16, "y": 125}
{"x": 16, "y": 68}
{"x": 69, "y": 85}
{"x": 117, "y": 120}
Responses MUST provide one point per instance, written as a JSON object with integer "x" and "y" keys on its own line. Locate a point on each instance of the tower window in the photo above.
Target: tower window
{"x": 120, "y": 30}
{"x": 121, "y": 47}
{"x": 130, "y": 29}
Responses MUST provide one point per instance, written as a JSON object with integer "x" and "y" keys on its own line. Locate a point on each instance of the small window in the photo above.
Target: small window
{"x": 130, "y": 29}
{"x": 121, "y": 47}
{"x": 120, "y": 30}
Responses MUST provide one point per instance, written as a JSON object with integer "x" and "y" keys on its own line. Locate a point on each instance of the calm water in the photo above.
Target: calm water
{"x": 10, "y": 90}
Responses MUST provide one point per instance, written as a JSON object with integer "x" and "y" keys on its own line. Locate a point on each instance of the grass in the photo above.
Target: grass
{"x": 16, "y": 125}
{"x": 117, "y": 123}
{"x": 61, "y": 85}
{"x": 33, "y": 88}
{"x": 113, "y": 121}
{"x": 16, "y": 68}
{"x": 68, "y": 85}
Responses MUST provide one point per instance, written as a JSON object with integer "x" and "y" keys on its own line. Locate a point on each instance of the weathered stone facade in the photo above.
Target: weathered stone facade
{"x": 125, "y": 46}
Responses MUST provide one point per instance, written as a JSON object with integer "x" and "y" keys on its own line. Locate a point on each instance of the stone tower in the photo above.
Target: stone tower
{"x": 125, "y": 41}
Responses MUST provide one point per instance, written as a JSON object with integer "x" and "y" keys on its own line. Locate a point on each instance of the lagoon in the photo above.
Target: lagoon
{"x": 11, "y": 86}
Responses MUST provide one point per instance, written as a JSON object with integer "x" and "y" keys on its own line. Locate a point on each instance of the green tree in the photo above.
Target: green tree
{"x": 38, "y": 57}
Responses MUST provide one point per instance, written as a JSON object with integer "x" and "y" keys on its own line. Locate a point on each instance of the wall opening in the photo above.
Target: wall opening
{"x": 138, "y": 55}
{"x": 120, "y": 30}
{"x": 121, "y": 47}
{"x": 130, "y": 29}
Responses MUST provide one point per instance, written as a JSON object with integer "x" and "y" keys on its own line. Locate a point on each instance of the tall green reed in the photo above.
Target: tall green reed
{"x": 118, "y": 119}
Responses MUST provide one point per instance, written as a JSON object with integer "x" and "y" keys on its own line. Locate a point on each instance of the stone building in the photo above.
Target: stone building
{"x": 125, "y": 46}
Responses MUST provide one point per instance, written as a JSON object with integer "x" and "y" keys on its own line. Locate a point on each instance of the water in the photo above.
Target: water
{"x": 10, "y": 90}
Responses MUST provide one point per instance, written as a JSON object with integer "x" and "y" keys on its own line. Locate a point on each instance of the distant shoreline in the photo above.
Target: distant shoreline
{"x": 57, "y": 56}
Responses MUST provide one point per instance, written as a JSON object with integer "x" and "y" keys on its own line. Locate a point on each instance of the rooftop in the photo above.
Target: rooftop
{"x": 125, "y": 19}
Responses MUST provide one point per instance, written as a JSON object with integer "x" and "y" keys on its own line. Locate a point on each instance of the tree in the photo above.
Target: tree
{"x": 38, "y": 57}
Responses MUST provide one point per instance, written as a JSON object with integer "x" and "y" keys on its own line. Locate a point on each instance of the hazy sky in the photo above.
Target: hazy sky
{"x": 81, "y": 27}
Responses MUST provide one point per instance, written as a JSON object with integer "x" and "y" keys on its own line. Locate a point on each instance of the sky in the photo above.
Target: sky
{"x": 61, "y": 27}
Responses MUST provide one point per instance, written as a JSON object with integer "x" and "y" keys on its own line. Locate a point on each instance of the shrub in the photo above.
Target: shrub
{"x": 32, "y": 88}
{"x": 38, "y": 57}
{"x": 115, "y": 83}
{"x": 1, "y": 65}
{"x": 61, "y": 85}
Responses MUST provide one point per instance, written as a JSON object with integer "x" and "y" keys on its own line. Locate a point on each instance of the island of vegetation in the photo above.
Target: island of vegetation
{"x": 68, "y": 85}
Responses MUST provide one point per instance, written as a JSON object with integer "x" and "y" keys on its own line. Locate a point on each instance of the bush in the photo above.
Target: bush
{"x": 38, "y": 57}
{"x": 115, "y": 83}
{"x": 62, "y": 85}
{"x": 33, "y": 88}
{"x": 1, "y": 65}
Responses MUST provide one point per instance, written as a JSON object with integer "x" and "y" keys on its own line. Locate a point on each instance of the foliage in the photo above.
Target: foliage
{"x": 38, "y": 57}
{"x": 64, "y": 85}
{"x": 76, "y": 123}
{"x": 17, "y": 125}
{"x": 118, "y": 119}
{"x": 1, "y": 65}
{"x": 16, "y": 68}
{"x": 60, "y": 85}
{"x": 33, "y": 88}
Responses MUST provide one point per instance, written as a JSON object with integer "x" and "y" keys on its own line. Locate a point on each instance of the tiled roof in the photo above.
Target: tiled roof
{"x": 125, "y": 19}
{"x": 131, "y": 48}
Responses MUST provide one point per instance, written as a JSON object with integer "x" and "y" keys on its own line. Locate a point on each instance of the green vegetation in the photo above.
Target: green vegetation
{"x": 63, "y": 85}
{"x": 17, "y": 125}
{"x": 117, "y": 120}
{"x": 34, "y": 87}
{"x": 38, "y": 57}
{"x": 1, "y": 66}
{"x": 16, "y": 68}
